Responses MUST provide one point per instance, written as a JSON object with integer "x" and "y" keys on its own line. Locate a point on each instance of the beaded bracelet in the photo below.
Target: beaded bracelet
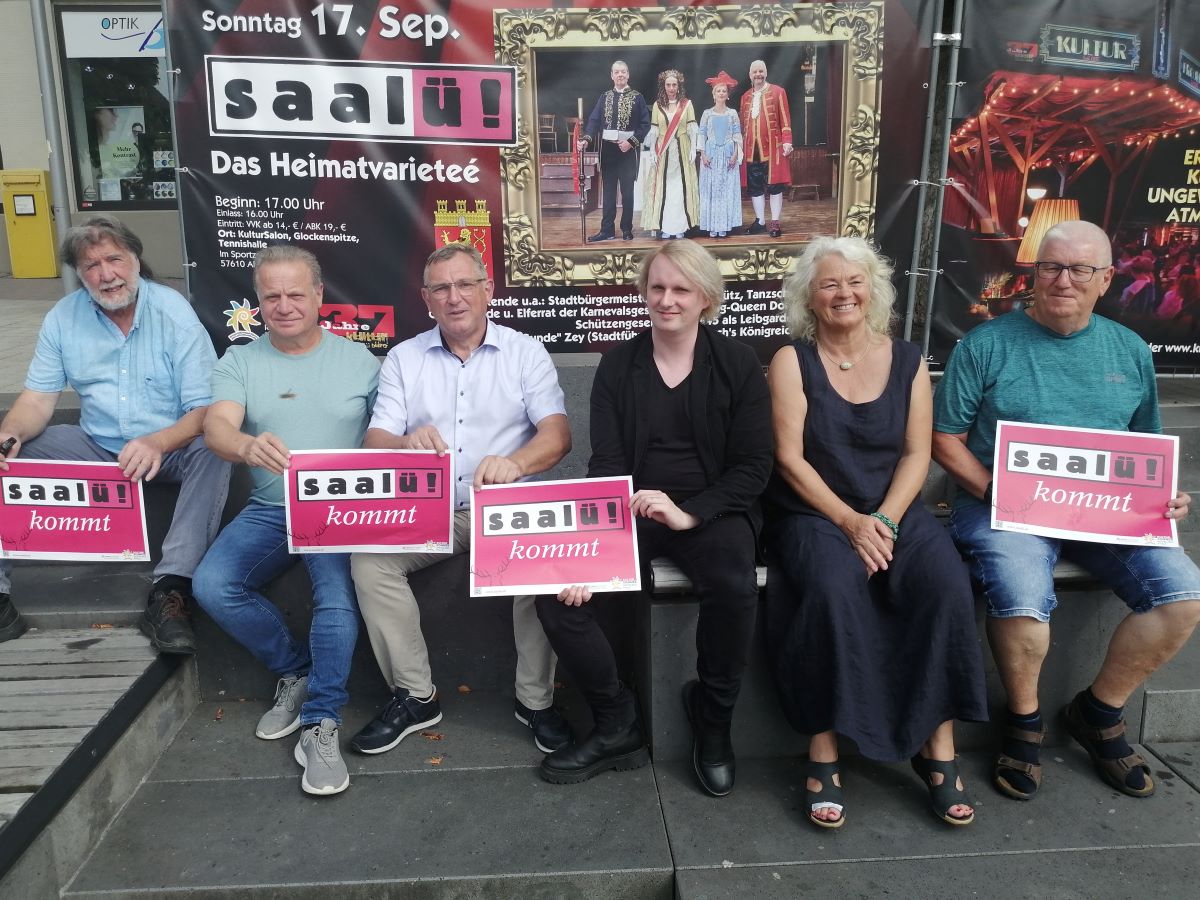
{"x": 892, "y": 526}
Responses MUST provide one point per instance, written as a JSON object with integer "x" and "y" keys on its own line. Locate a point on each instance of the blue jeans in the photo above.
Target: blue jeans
{"x": 248, "y": 553}
{"x": 1017, "y": 570}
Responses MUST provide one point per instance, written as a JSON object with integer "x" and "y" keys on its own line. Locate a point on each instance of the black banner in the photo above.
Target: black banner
{"x": 370, "y": 133}
{"x": 1076, "y": 109}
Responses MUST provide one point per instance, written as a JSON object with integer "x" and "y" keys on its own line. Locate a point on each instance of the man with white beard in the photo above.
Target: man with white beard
{"x": 141, "y": 363}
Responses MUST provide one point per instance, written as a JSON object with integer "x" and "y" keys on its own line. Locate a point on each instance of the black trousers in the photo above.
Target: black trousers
{"x": 719, "y": 560}
{"x": 617, "y": 170}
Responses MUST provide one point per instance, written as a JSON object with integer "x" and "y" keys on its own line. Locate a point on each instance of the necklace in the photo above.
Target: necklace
{"x": 845, "y": 365}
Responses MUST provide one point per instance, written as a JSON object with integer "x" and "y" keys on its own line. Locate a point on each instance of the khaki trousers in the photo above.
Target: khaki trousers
{"x": 393, "y": 622}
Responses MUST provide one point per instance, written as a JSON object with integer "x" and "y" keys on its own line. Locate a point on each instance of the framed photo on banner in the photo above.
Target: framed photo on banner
{"x": 54, "y": 509}
{"x": 1085, "y": 484}
{"x": 370, "y": 501}
{"x": 537, "y": 537}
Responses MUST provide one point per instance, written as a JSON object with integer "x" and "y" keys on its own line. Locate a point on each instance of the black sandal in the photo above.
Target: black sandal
{"x": 945, "y": 795}
{"x": 1004, "y": 762}
{"x": 828, "y": 797}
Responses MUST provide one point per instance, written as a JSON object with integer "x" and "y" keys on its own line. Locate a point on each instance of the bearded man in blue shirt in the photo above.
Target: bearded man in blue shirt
{"x": 141, "y": 363}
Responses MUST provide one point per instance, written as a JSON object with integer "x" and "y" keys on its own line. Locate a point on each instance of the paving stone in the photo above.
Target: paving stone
{"x": 887, "y": 814}
{"x": 467, "y": 832}
{"x": 1181, "y": 757}
{"x": 1151, "y": 873}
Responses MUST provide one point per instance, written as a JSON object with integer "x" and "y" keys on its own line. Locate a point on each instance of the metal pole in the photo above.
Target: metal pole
{"x": 173, "y": 81}
{"x": 923, "y": 174}
{"x": 59, "y": 202}
{"x": 955, "y": 41}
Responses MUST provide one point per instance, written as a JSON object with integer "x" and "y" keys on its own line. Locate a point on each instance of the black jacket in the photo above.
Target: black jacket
{"x": 730, "y": 409}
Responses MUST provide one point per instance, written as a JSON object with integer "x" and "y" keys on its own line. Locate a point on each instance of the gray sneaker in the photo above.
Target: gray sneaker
{"x": 317, "y": 751}
{"x": 284, "y": 717}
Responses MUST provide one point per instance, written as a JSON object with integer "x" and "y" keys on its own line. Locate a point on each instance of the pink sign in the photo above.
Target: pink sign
{"x": 53, "y": 509}
{"x": 1085, "y": 484}
{"x": 369, "y": 501}
{"x": 537, "y": 537}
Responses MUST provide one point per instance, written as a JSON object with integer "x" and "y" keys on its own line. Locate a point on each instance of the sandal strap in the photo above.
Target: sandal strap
{"x": 1028, "y": 769}
{"x": 944, "y": 795}
{"x": 1020, "y": 734}
{"x": 1132, "y": 761}
{"x": 830, "y": 794}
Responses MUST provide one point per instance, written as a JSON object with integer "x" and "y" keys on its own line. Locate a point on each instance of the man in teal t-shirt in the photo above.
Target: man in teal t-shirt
{"x": 296, "y": 388}
{"x": 1057, "y": 363}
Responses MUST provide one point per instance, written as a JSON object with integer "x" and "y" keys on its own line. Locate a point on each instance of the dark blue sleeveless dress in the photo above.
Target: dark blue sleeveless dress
{"x": 882, "y": 660}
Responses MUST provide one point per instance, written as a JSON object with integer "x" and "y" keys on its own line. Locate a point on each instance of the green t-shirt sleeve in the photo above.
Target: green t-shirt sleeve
{"x": 959, "y": 392}
{"x": 228, "y": 379}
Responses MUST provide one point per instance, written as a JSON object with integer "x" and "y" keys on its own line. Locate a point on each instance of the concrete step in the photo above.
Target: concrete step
{"x": 461, "y": 812}
{"x": 84, "y": 713}
{"x": 1077, "y": 839}
{"x": 482, "y": 824}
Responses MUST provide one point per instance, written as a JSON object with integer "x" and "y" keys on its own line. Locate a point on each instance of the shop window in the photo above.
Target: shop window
{"x": 118, "y": 107}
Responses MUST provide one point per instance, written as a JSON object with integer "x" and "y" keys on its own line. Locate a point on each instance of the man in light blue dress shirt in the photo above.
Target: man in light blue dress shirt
{"x": 141, "y": 363}
{"x": 489, "y": 395}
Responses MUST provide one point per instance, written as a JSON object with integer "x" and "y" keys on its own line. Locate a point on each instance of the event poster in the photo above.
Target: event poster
{"x": 371, "y": 133}
{"x": 537, "y": 537}
{"x": 51, "y": 509}
{"x": 370, "y": 501}
{"x": 1085, "y": 484}
{"x": 1076, "y": 109}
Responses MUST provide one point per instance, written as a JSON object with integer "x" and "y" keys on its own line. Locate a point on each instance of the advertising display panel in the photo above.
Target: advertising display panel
{"x": 371, "y": 133}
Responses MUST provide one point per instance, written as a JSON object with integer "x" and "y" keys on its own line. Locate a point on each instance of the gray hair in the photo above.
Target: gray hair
{"x": 697, "y": 265}
{"x": 97, "y": 230}
{"x": 1079, "y": 231}
{"x": 797, "y": 287}
{"x": 447, "y": 252}
{"x": 287, "y": 253}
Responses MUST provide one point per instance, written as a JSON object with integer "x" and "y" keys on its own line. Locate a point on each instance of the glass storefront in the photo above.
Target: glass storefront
{"x": 118, "y": 107}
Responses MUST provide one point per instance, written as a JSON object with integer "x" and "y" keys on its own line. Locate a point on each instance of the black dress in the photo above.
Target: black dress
{"x": 883, "y": 660}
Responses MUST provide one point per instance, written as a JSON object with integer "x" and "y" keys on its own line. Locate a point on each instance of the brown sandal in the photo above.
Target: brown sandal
{"x": 1032, "y": 771}
{"x": 1111, "y": 771}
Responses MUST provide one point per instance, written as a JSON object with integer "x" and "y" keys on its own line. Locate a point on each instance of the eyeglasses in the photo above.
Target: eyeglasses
{"x": 1079, "y": 274}
{"x": 466, "y": 288}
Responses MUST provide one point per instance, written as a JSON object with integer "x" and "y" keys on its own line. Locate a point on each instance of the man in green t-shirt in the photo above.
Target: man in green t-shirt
{"x": 296, "y": 388}
{"x": 1057, "y": 363}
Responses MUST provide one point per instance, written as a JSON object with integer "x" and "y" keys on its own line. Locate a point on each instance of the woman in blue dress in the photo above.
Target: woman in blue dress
{"x": 720, "y": 155}
{"x": 870, "y": 617}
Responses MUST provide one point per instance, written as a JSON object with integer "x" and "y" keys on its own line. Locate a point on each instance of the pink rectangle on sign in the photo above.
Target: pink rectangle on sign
{"x": 538, "y": 537}
{"x": 474, "y": 103}
{"x": 52, "y": 509}
{"x": 369, "y": 501}
{"x": 1085, "y": 484}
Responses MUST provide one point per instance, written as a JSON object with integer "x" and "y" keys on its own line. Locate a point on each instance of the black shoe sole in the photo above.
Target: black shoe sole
{"x": 13, "y": 629}
{"x": 358, "y": 748}
{"x": 634, "y": 759}
{"x": 178, "y": 649}
{"x": 537, "y": 743}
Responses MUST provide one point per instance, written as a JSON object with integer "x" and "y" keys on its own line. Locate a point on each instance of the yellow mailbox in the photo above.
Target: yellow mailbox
{"x": 31, "y": 244}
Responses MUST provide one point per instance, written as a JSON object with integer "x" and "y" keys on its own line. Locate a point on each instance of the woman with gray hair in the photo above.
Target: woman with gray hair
{"x": 684, "y": 411}
{"x": 870, "y": 628}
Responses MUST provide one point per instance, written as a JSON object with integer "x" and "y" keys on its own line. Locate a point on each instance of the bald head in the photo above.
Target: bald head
{"x": 1079, "y": 235}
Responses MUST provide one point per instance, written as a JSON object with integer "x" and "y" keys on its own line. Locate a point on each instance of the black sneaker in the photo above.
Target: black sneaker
{"x": 166, "y": 621}
{"x": 402, "y": 715}
{"x": 550, "y": 730}
{"x": 11, "y": 623}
